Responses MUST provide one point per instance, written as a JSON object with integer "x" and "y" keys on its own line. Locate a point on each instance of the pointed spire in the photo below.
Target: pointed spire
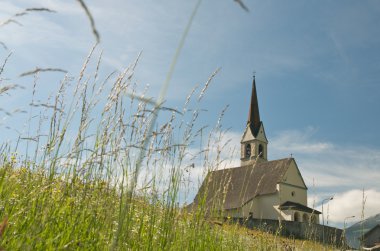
{"x": 254, "y": 115}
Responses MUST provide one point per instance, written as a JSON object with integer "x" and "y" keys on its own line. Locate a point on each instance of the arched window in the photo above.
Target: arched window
{"x": 305, "y": 217}
{"x": 248, "y": 150}
{"x": 261, "y": 151}
{"x": 296, "y": 216}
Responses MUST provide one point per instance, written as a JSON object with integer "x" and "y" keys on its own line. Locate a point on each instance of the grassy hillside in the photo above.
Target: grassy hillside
{"x": 50, "y": 214}
{"x": 53, "y": 214}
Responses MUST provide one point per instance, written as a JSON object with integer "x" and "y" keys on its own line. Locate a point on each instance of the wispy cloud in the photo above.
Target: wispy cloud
{"x": 331, "y": 165}
{"x": 292, "y": 142}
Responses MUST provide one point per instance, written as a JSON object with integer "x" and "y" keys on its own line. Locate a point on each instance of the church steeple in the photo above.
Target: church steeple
{"x": 254, "y": 141}
{"x": 254, "y": 114}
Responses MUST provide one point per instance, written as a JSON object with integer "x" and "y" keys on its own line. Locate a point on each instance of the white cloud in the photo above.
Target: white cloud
{"x": 349, "y": 204}
{"x": 332, "y": 169}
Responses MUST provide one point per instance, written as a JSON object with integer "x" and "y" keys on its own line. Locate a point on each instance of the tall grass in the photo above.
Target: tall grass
{"x": 95, "y": 174}
{"x": 69, "y": 181}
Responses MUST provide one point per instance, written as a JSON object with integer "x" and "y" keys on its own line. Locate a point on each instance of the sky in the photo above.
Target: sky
{"x": 316, "y": 63}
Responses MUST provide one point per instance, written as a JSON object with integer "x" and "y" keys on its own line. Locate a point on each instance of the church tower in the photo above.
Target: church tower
{"x": 254, "y": 142}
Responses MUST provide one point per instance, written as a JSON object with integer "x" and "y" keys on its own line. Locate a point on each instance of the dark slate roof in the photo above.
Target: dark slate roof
{"x": 290, "y": 205}
{"x": 371, "y": 230}
{"x": 254, "y": 114}
{"x": 232, "y": 188}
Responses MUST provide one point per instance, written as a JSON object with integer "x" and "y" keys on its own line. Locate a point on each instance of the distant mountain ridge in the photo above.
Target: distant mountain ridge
{"x": 354, "y": 232}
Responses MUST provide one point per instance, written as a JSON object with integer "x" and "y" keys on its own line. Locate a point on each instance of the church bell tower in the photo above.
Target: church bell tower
{"x": 254, "y": 143}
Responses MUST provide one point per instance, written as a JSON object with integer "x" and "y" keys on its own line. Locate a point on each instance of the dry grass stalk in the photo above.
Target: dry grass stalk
{"x": 23, "y": 13}
{"x": 5, "y": 62}
{"x": 3, "y": 226}
{"x": 4, "y": 45}
{"x": 242, "y": 5}
{"x": 42, "y": 70}
{"x": 92, "y": 22}
{"x": 208, "y": 83}
{"x": 6, "y": 88}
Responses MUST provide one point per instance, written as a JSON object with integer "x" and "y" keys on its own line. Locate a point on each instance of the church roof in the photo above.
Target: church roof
{"x": 290, "y": 205}
{"x": 254, "y": 114}
{"x": 371, "y": 231}
{"x": 232, "y": 188}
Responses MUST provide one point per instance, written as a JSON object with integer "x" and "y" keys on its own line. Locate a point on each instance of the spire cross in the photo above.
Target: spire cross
{"x": 254, "y": 74}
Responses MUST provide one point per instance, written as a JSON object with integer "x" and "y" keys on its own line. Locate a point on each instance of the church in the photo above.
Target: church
{"x": 258, "y": 188}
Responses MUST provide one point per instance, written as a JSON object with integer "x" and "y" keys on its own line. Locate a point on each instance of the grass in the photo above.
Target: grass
{"x": 49, "y": 215}
{"x": 55, "y": 215}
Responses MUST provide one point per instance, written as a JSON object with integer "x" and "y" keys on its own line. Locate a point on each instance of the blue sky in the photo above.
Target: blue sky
{"x": 317, "y": 67}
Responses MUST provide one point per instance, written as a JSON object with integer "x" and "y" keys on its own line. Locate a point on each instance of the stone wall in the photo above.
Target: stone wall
{"x": 298, "y": 230}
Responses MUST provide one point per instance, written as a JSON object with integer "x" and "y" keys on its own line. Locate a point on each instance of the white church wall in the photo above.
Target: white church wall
{"x": 293, "y": 176}
{"x": 267, "y": 203}
{"x": 284, "y": 214}
{"x": 262, "y": 207}
{"x": 251, "y": 206}
{"x": 292, "y": 193}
